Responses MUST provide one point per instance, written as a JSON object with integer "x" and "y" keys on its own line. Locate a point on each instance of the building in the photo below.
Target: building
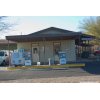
{"x": 47, "y": 43}
{"x": 5, "y": 46}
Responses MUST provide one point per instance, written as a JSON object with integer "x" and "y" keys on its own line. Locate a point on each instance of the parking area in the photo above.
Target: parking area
{"x": 37, "y": 74}
{"x": 90, "y": 70}
{"x": 73, "y": 79}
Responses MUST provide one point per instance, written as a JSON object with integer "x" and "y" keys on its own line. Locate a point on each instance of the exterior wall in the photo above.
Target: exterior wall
{"x": 67, "y": 46}
{"x": 26, "y": 45}
{"x": 5, "y": 46}
{"x": 48, "y": 51}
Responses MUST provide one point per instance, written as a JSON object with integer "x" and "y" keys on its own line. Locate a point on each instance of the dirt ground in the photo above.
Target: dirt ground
{"x": 76, "y": 79}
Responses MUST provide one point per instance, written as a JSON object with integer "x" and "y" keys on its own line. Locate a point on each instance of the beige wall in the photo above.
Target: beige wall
{"x": 67, "y": 46}
{"x": 26, "y": 45}
{"x": 48, "y": 51}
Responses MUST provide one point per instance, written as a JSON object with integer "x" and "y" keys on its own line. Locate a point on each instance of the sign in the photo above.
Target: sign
{"x": 27, "y": 55}
{"x": 87, "y": 39}
{"x": 17, "y": 59}
{"x": 27, "y": 62}
{"x": 63, "y": 61}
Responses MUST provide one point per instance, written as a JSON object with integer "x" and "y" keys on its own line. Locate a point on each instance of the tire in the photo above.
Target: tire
{"x": 4, "y": 63}
{"x": 95, "y": 54}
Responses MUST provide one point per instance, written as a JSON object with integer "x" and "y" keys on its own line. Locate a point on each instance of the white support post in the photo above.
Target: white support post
{"x": 9, "y": 53}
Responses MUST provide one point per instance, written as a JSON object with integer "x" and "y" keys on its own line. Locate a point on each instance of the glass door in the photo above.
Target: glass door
{"x": 35, "y": 54}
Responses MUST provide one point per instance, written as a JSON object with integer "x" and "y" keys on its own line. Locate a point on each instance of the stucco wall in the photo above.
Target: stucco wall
{"x": 48, "y": 51}
{"x": 67, "y": 46}
{"x": 26, "y": 45}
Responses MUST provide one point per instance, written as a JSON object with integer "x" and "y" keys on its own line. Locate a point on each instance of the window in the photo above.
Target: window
{"x": 35, "y": 50}
{"x": 57, "y": 48}
{"x": 1, "y": 53}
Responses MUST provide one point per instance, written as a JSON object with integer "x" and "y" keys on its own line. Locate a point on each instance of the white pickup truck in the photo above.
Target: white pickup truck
{"x": 4, "y": 59}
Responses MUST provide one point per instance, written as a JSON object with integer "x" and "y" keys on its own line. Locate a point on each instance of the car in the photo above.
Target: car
{"x": 4, "y": 58}
{"x": 97, "y": 52}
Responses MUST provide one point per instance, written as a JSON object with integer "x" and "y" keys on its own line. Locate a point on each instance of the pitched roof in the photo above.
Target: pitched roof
{"x": 48, "y": 34}
{"x": 54, "y": 31}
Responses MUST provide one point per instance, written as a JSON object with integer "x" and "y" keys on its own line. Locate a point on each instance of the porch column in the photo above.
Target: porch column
{"x": 9, "y": 54}
{"x": 79, "y": 47}
{"x": 39, "y": 50}
{"x": 44, "y": 49}
{"x": 31, "y": 54}
{"x": 89, "y": 48}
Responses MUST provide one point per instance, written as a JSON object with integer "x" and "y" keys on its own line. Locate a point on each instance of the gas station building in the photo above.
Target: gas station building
{"x": 47, "y": 43}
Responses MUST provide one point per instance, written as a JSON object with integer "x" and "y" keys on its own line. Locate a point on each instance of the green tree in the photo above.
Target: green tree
{"x": 91, "y": 26}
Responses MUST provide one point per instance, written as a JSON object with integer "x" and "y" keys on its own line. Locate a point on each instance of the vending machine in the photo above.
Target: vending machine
{"x": 21, "y": 57}
{"x": 62, "y": 58}
{"x": 17, "y": 58}
{"x": 27, "y": 55}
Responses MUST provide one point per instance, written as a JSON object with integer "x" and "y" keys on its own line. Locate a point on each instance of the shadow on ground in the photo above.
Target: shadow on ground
{"x": 92, "y": 67}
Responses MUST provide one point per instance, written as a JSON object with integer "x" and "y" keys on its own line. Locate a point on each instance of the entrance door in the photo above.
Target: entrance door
{"x": 35, "y": 54}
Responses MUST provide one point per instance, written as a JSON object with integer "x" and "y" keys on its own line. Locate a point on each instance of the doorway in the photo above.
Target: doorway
{"x": 35, "y": 54}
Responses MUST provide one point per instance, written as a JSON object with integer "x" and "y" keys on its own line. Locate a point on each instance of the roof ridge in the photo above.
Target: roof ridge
{"x": 49, "y": 29}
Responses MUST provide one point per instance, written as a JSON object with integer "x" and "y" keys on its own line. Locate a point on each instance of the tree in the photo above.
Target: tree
{"x": 4, "y": 26}
{"x": 91, "y": 26}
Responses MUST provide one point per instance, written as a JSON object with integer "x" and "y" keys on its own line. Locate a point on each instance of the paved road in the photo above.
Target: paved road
{"x": 34, "y": 74}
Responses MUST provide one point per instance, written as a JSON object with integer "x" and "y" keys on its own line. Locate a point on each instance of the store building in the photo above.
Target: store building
{"x": 4, "y": 45}
{"x": 47, "y": 43}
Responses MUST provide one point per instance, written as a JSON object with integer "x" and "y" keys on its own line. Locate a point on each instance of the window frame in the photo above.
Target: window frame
{"x": 54, "y": 43}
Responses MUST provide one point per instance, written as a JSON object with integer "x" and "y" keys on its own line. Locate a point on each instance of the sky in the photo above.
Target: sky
{"x": 28, "y": 24}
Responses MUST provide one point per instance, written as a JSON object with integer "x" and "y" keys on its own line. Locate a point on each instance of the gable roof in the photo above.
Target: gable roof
{"x": 49, "y": 29}
{"x": 48, "y": 34}
{"x": 53, "y": 31}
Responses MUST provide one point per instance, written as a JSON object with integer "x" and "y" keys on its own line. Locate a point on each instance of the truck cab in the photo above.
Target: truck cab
{"x": 4, "y": 59}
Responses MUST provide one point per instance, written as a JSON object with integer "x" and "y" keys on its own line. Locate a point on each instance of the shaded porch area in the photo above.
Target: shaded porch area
{"x": 84, "y": 46}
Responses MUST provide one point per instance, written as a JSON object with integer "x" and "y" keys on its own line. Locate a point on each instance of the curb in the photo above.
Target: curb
{"x": 38, "y": 69}
{"x": 59, "y": 68}
{"x": 52, "y": 67}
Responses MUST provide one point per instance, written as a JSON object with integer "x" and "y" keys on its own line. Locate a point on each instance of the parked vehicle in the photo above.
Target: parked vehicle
{"x": 85, "y": 54}
{"x": 97, "y": 52}
{"x": 4, "y": 59}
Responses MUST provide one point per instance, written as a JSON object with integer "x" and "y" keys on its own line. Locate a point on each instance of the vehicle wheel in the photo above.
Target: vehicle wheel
{"x": 95, "y": 54}
{"x": 4, "y": 63}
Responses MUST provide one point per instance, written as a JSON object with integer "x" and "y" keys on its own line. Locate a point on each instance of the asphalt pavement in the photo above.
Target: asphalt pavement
{"x": 35, "y": 74}
{"x": 91, "y": 68}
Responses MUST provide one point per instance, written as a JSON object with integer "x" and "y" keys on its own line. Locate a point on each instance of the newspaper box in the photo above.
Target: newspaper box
{"x": 27, "y": 55}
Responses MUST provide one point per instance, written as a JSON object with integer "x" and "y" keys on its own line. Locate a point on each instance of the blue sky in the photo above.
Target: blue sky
{"x": 29, "y": 24}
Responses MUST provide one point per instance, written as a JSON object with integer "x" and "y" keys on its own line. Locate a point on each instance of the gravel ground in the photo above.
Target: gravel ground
{"x": 76, "y": 79}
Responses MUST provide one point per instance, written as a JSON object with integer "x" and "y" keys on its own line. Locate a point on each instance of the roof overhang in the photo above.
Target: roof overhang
{"x": 28, "y": 38}
{"x": 48, "y": 35}
{"x": 5, "y": 42}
